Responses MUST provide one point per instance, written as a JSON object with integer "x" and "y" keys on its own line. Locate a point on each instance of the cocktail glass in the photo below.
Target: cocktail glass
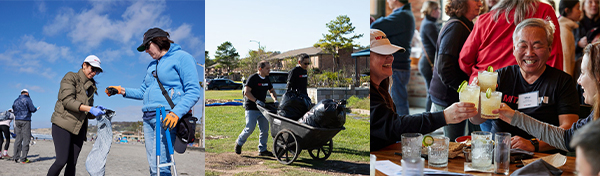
{"x": 438, "y": 152}
{"x": 487, "y": 80}
{"x": 482, "y": 149}
{"x": 489, "y": 104}
{"x": 470, "y": 94}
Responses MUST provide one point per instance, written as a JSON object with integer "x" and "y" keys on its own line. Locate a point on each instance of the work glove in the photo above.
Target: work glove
{"x": 96, "y": 111}
{"x": 170, "y": 121}
{"x": 260, "y": 103}
{"x": 112, "y": 90}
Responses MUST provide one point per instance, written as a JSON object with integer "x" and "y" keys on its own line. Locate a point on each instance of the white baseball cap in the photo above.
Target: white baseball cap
{"x": 94, "y": 61}
{"x": 381, "y": 45}
{"x": 24, "y": 90}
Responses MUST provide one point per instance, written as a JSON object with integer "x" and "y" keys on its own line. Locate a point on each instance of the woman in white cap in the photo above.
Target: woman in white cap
{"x": 71, "y": 113}
{"x": 386, "y": 125}
{"x": 5, "y": 132}
{"x": 176, "y": 71}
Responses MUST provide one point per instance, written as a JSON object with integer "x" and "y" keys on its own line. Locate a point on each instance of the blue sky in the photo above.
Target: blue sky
{"x": 278, "y": 25}
{"x": 43, "y": 40}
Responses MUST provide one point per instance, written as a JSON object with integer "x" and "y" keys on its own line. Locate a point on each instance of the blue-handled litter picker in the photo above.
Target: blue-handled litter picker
{"x": 160, "y": 114}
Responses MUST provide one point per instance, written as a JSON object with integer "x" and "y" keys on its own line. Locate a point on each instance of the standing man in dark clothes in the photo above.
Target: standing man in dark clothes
{"x": 255, "y": 93}
{"x": 23, "y": 107}
{"x": 399, "y": 27}
{"x": 590, "y": 20}
{"x": 298, "y": 77}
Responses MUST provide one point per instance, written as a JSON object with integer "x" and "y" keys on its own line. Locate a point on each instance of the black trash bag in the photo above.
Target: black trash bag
{"x": 294, "y": 105}
{"x": 326, "y": 114}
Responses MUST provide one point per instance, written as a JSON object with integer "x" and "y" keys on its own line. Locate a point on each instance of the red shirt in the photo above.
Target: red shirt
{"x": 490, "y": 43}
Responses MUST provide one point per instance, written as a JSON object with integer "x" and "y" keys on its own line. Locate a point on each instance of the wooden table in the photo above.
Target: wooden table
{"x": 457, "y": 164}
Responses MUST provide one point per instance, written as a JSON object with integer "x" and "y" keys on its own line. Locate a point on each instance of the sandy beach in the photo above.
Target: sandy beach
{"x": 123, "y": 159}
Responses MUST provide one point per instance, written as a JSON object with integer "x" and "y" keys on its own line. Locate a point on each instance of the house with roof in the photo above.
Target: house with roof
{"x": 320, "y": 60}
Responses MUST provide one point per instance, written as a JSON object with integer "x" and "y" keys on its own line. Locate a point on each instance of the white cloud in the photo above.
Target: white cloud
{"x": 32, "y": 56}
{"x": 60, "y": 22}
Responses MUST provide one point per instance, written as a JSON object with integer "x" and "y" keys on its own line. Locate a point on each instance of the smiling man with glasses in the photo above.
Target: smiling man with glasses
{"x": 298, "y": 77}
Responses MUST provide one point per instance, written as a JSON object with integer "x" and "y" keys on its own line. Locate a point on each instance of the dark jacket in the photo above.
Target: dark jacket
{"x": 447, "y": 75}
{"x": 387, "y": 126}
{"x": 399, "y": 27}
{"x": 75, "y": 90}
{"x": 585, "y": 25}
{"x": 429, "y": 35}
{"x": 23, "y": 107}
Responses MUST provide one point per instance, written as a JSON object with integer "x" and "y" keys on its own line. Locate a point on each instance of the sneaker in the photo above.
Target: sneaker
{"x": 16, "y": 160}
{"x": 6, "y": 156}
{"x": 238, "y": 149}
{"x": 26, "y": 161}
{"x": 266, "y": 153}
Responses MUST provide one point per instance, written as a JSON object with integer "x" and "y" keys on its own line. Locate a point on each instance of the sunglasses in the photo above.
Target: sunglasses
{"x": 306, "y": 63}
{"x": 97, "y": 70}
{"x": 147, "y": 46}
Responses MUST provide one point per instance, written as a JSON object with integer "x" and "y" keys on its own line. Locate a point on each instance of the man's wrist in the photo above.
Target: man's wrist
{"x": 536, "y": 144}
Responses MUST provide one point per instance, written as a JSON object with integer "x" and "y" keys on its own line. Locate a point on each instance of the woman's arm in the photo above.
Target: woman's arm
{"x": 67, "y": 92}
{"x": 550, "y": 134}
{"x": 191, "y": 86}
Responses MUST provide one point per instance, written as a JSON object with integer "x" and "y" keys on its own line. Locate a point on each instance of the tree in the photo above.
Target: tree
{"x": 248, "y": 64}
{"x": 340, "y": 37}
{"x": 226, "y": 56}
{"x": 207, "y": 62}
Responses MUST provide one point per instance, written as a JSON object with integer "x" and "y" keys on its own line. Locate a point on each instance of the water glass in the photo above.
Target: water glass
{"x": 412, "y": 167}
{"x": 372, "y": 165}
{"x": 502, "y": 153}
{"x": 481, "y": 150}
{"x": 438, "y": 152}
{"x": 411, "y": 145}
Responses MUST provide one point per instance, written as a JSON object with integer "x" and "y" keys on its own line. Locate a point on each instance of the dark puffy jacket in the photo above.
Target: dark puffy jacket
{"x": 447, "y": 75}
{"x": 23, "y": 107}
{"x": 387, "y": 126}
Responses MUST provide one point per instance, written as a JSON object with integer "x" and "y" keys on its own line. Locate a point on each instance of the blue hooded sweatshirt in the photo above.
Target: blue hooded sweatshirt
{"x": 177, "y": 73}
{"x": 23, "y": 107}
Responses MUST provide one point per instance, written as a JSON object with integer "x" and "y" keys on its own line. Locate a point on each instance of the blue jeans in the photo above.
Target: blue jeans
{"x": 486, "y": 126}
{"x": 398, "y": 90}
{"x": 150, "y": 138}
{"x": 252, "y": 117}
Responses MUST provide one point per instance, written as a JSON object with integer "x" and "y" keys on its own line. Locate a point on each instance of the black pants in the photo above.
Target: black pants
{"x": 4, "y": 129}
{"x": 67, "y": 147}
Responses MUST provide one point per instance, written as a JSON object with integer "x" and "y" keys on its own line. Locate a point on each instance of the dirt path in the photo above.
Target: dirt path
{"x": 231, "y": 164}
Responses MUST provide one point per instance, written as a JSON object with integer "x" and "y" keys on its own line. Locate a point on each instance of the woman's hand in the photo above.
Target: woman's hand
{"x": 506, "y": 113}
{"x": 459, "y": 111}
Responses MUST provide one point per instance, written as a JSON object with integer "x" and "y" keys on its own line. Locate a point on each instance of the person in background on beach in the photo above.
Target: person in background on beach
{"x": 75, "y": 105}
{"x": 176, "y": 70}
{"x": 23, "y": 107}
{"x": 298, "y": 77}
{"x": 4, "y": 129}
{"x": 255, "y": 93}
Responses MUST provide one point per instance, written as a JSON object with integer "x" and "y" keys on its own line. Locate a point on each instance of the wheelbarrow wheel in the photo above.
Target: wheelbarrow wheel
{"x": 323, "y": 152}
{"x": 286, "y": 147}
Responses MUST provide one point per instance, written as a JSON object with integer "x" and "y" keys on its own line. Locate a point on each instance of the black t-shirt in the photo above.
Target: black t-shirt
{"x": 259, "y": 90}
{"x": 556, "y": 92}
{"x": 297, "y": 80}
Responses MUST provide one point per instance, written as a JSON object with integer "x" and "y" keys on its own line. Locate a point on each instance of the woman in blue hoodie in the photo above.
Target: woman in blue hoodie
{"x": 176, "y": 70}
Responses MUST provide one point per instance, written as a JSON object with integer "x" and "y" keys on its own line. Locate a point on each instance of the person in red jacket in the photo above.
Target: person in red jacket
{"x": 490, "y": 43}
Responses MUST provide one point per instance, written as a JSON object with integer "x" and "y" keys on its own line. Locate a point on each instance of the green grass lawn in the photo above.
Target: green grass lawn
{"x": 350, "y": 145}
{"x": 223, "y": 94}
{"x": 360, "y": 103}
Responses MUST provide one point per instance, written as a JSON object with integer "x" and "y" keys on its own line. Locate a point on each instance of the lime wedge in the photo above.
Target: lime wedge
{"x": 488, "y": 93}
{"x": 427, "y": 141}
{"x": 490, "y": 69}
{"x": 462, "y": 85}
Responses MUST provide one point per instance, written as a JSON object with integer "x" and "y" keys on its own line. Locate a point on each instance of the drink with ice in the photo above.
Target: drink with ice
{"x": 482, "y": 150}
{"x": 411, "y": 145}
{"x": 470, "y": 94}
{"x": 438, "y": 152}
{"x": 487, "y": 80}
{"x": 489, "y": 104}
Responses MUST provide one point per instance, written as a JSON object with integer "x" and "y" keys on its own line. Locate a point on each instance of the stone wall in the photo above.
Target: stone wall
{"x": 318, "y": 94}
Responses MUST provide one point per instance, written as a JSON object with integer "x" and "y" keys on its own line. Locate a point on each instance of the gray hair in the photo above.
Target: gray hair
{"x": 523, "y": 9}
{"x": 588, "y": 140}
{"x": 548, "y": 26}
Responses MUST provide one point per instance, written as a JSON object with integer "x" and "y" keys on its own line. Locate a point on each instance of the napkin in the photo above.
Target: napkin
{"x": 538, "y": 167}
{"x": 556, "y": 160}
{"x": 516, "y": 155}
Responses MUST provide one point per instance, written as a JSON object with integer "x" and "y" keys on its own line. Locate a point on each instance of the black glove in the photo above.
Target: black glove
{"x": 260, "y": 103}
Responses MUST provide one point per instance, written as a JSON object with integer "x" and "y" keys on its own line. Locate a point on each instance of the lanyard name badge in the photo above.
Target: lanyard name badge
{"x": 528, "y": 100}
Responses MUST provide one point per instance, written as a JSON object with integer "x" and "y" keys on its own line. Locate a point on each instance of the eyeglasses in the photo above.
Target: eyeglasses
{"x": 306, "y": 63}
{"x": 147, "y": 46}
{"x": 97, "y": 70}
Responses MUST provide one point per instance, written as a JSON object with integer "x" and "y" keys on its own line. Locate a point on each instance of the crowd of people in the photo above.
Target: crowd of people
{"x": 554, "y": 60}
